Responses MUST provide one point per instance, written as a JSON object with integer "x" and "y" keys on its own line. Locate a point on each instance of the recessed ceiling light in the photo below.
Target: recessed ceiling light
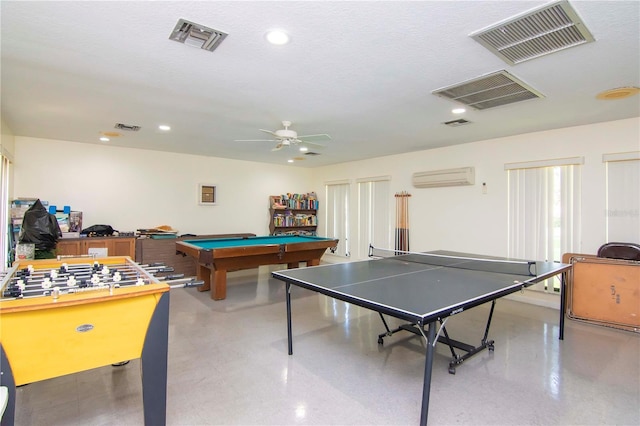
{"x": 304, "y": 149}
{"x": 289, "y": 161}
{"x": 164, "y": 127}
{"x": 104, "y": 139}
{"x": 278, "y": 37}
{"x": 458, "y": 110}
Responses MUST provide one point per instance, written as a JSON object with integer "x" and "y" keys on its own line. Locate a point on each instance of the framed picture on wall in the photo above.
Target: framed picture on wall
{"x": 207, "y": 194}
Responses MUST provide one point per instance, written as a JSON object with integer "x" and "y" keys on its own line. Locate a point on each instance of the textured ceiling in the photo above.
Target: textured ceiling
{"x": 362, "y": 72}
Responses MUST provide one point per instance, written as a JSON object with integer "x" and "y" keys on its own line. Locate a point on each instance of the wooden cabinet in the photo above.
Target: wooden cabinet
{"x": 68, "y": 248}
{"x": 116, "y": 246}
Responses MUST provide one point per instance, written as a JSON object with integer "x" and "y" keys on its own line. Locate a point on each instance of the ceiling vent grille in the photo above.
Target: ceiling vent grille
{"x": 311, "y": 153}
{"x": 489, "y": 91}
{"x": 197, "y": 35}
{"x": 128, "y": 127}
{"x": 535, "y": 33}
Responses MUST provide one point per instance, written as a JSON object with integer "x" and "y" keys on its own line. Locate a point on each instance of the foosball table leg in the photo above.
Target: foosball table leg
{"x": 154, "y": 365}
{"x": 6, "y": 380}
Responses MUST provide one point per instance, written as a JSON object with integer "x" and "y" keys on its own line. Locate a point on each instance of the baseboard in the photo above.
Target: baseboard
{"x": 537, "y": 298}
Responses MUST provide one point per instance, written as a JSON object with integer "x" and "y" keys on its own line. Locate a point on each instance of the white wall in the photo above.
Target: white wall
{"x": 463, "y": 218}
{"x": 131, "y": 189}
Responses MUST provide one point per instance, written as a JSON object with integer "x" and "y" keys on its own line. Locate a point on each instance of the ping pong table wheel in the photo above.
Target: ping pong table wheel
{"x": 452, "y": 369}
{"x": 490, "y": 346}
{"x": 380, "y": 341}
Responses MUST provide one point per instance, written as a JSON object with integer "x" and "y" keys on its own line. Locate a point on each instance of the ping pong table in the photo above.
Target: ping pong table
{"x": 424, "y": 289}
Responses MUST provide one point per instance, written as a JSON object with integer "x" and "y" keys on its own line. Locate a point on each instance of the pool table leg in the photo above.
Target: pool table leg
{"x": 219, "y": 278}
{"x": 204, "y": 274}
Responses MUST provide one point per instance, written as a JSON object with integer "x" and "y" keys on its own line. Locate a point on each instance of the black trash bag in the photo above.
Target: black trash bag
{"x": 39, "y": 227}
{"x": 98, "y": 231}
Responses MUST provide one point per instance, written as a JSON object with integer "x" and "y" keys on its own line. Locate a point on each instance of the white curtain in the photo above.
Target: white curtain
{"x": 4, "y": 212}
{"x": 544, "y": 214}
{"x": 374, "y": 226}
{"x": 337, "y": 217}
{"x": 623, "y": 201}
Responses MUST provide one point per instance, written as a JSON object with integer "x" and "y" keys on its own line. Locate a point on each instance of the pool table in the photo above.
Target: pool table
{"x": 217, "y": 256}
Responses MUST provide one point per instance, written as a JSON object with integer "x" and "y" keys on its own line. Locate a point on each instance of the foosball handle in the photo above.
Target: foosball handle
{"x": 173, "y": 277}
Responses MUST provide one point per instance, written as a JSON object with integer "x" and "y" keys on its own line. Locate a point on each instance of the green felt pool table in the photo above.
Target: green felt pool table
{"x": 217, "y": 256}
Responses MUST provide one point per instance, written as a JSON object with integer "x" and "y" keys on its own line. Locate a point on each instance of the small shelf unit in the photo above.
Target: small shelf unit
{"x": 293, "y": 214}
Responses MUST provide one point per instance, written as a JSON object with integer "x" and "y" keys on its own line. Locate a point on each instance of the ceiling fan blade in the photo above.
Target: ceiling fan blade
{"x": 268, "y": 131}
{"x": 321, "y": 136}
{"x": 255, "y": 140}
{"x": 312, "y": 144}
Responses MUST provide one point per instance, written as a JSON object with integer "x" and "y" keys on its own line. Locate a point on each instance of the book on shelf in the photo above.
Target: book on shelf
{"x": 304, "y": 233}
{"x": 307, "y": 201}
{"x": 290, "y": 219}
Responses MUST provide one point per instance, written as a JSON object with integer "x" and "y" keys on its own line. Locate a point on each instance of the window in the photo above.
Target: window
{"x": 337, "y": 215}
{"x": 544, "y": 211}
{"x": 373, "y": 214}
{"x": 7, "y": 231}
{"x": 623, "y": 197}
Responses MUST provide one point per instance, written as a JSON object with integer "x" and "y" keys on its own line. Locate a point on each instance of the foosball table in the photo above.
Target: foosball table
{"x": 65, "y": 316}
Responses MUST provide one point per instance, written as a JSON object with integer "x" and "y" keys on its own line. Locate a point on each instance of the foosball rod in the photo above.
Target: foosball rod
{"x": 62, "y": 280}
{"x": 31, "y": 293}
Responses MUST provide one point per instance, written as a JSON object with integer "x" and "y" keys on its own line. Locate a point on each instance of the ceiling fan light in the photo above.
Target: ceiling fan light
{"x": 304, "y": 149}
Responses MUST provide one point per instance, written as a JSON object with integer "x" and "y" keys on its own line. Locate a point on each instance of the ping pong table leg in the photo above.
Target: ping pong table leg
{"x": 563, "y": 303}
{"x": 428, "y": 367}
{"x": 289, "y": 334}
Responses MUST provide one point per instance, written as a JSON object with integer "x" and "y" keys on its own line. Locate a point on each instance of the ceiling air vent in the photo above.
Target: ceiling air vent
{"x": 535, "y": 33}
{"x": 128, "y": 127}
{"x": 311, "y": 153}
{"x": 492, "y": 90}
{"x": 197, "y": 35}
{"x": 457, "y": 123}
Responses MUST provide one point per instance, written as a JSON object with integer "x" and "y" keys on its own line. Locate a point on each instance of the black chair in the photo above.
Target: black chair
{"x": 626, "y": 251}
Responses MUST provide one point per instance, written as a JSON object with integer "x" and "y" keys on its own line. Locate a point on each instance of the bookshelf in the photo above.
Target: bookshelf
{"x": 293, "y": 214}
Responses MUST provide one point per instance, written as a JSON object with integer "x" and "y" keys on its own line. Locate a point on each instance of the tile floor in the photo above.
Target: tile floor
{"x": 228, "y": 365}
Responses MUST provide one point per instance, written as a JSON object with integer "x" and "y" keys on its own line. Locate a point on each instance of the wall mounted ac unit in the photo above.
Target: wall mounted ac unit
{"x": 448, "y": 177}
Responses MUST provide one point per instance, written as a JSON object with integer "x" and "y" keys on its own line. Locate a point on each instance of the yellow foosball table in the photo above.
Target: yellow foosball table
{"x": 62, "y": 317}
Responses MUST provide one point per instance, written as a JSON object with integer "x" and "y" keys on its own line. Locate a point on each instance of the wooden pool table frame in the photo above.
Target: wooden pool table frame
{"x": 213, "y": 264}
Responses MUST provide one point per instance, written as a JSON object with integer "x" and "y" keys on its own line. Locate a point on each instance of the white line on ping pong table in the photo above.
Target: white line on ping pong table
{"x": 387, "y": 277}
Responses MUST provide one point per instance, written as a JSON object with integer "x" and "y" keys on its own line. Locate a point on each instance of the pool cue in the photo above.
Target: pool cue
{"x": 397, "y": 242}
{"x": 402, "y": 221}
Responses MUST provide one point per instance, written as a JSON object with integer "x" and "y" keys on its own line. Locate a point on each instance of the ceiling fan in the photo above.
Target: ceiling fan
{"x": 287, "y": 137}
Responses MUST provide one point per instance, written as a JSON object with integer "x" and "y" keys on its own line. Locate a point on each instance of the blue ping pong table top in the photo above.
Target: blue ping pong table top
{"x": 413, "y": 291}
